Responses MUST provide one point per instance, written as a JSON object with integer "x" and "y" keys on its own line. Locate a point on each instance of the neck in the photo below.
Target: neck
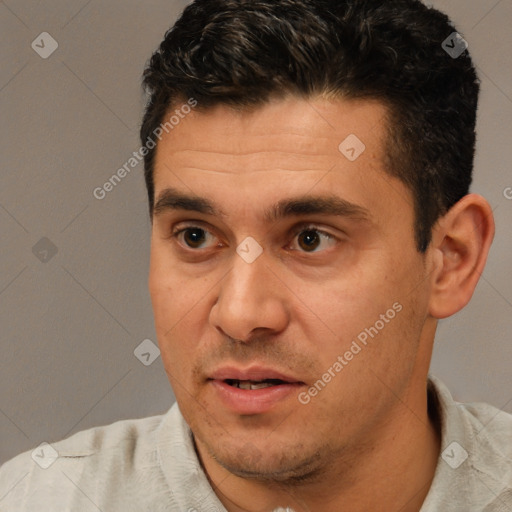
{"x": 392, "y": 471}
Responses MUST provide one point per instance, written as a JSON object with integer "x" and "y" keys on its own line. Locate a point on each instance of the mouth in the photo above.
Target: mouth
{"x": 254, "y": 377}
{"x": 254, "y": 390}
{"x": 251, "y": 384}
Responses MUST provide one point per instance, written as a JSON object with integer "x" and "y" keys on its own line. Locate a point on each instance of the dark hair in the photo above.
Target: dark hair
{"x": 242, "y": 53}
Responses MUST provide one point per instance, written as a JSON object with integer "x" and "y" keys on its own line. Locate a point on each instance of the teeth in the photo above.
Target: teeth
{"x": 260, "y": 385}
{"x": 247, "y": 384}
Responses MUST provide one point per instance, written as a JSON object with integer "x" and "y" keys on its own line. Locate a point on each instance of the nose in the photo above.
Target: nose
{"x": 251, "y": 298}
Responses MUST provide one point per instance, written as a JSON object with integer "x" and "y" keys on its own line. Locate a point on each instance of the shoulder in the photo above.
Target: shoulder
{"x": 491, "y": 425}
{"x": 486, "y": 429}
{"x": 475, "y": 463}
{"x": 490, "y": 433}
{"x": 491, "y": 451}
{"x": 121, "y": 437}
{"x": 58, "y": 472}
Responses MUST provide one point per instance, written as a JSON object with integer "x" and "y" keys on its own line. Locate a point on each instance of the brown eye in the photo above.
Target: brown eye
{"x": 312, "y": 239}
{"x": 194, "y": 237}
{"x": 309, "y": 240}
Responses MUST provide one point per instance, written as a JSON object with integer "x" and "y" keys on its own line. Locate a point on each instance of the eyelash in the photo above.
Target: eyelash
{"x": 301, "y": 229}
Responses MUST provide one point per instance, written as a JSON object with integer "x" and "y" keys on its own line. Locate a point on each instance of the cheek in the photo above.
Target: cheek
{"x": 169, "y": 311}
{"x": 180, "y": 310}
{"x": 338, "y": 309}
{"x": 169, "y": 291}
{"x": 370, "y": 305}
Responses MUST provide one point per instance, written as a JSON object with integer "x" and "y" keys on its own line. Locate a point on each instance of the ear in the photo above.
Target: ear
{"x": 460, "y": 244}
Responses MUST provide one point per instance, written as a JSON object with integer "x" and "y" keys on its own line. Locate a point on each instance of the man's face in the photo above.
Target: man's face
{"x": 338, "y": 276}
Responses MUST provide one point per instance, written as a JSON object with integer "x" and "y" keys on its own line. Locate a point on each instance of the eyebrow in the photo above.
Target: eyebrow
{"x": 171, "y": 199}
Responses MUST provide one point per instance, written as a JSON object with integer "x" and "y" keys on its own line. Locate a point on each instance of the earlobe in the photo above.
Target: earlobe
{"x": 460, "y": 245}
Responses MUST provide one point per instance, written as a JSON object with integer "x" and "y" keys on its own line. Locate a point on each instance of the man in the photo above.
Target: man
{"x": 308, "y": 166}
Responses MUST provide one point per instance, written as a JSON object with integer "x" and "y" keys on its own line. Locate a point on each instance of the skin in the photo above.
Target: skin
{"x": 365, "y": 442}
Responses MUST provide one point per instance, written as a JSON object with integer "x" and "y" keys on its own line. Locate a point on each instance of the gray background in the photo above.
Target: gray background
{"x": 70, "y": 324}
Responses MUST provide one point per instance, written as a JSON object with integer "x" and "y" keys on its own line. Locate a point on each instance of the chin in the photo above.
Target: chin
{"x": 282, "y": 466}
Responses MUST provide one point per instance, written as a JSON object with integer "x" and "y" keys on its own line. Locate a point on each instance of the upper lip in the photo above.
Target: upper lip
{"x": 254, "y": 373}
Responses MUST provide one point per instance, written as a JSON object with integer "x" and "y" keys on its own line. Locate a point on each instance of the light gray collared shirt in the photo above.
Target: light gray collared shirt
{"x": 150, "y": 464}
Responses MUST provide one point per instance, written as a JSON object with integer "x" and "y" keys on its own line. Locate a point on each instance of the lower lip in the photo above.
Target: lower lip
{"x": 253, "y": 401}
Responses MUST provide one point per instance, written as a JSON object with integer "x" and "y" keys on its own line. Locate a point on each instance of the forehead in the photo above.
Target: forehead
{"x": 291, "y": 130}
{"x": 289, "y": 147}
